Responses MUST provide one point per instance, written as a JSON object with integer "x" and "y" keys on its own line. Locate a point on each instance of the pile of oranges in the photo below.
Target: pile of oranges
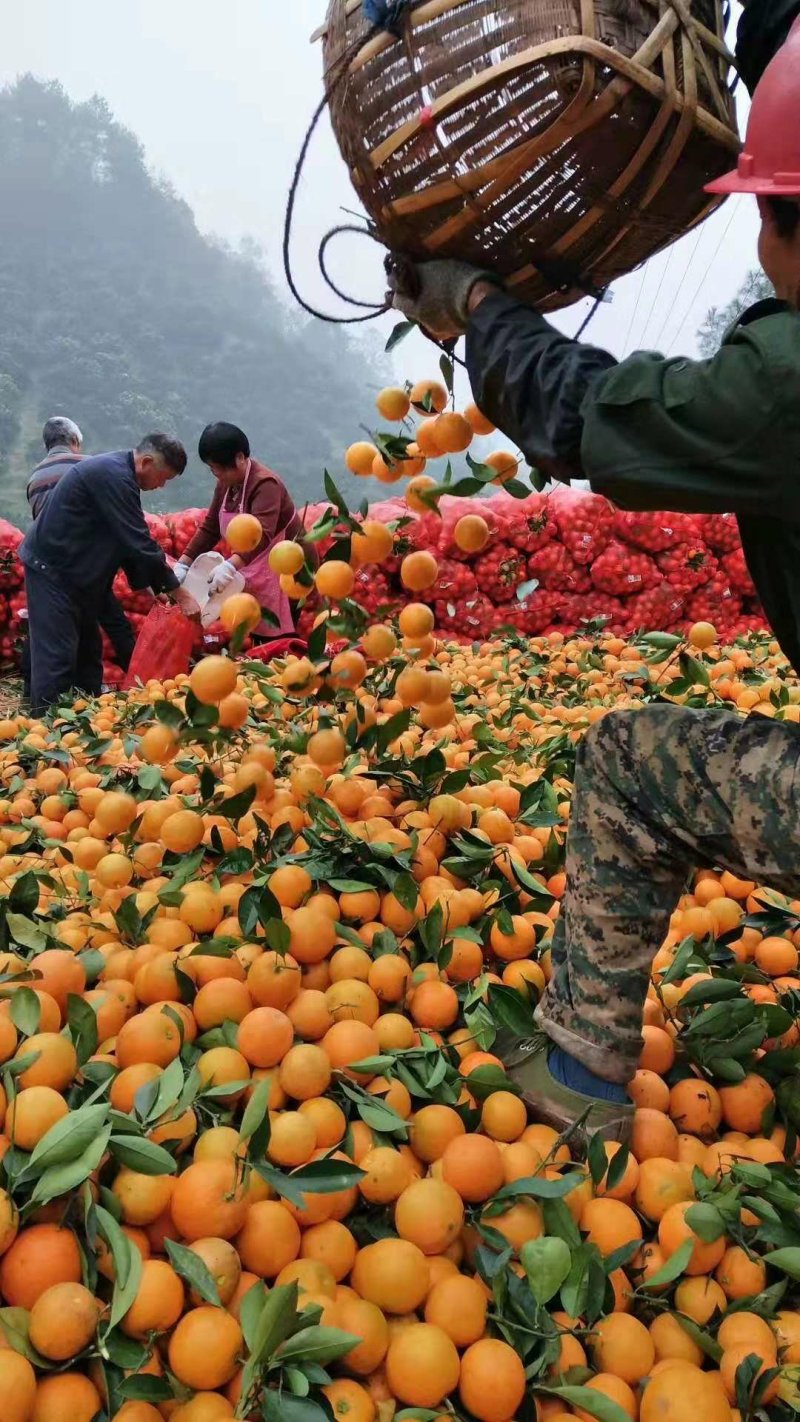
{"x": 260, "y": 928}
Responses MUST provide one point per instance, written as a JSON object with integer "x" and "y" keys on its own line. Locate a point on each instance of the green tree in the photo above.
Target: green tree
{"x": 118, "y": 312}
{"x": 755, "y": 287}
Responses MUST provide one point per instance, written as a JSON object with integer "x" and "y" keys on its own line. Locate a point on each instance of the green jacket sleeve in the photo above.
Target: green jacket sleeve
{"x": 710, "y": 436}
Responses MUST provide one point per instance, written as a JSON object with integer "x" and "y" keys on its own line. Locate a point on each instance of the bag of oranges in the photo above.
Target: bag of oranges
{"x": 163, "y": 647}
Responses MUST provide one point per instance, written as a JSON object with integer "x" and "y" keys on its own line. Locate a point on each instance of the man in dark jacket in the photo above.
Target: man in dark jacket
{"x": 665, "y": 789}
{"x": 91, "y": 524}
{"x": 63, "y": 442}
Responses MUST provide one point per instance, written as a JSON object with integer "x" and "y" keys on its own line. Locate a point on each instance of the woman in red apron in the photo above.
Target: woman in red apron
{"x": 245, "y": 486}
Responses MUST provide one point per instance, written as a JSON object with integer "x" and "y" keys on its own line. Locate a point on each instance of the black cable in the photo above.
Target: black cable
{"x": 375, "y": 309}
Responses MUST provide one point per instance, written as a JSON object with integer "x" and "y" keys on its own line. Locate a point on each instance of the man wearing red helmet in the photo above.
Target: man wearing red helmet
{"x": 665, "y": 789}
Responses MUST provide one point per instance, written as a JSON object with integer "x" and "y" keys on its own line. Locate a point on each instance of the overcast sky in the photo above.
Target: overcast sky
{"x": 220, "y": 95}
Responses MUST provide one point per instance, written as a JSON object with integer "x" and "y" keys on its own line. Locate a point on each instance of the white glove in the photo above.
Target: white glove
{"x": 180, "y": 570}
{"x": 219, "y": 580}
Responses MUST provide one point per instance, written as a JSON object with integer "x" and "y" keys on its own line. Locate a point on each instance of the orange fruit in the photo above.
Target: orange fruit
{"x": 609, "y": 1224}
{"x": 492, "y": 1383}
{"x": 683, "y": 1393}
{"x": 159, "y": 1301}
{"x": 458, "y": 1305}
{"x": 213, "y": 679}
{"x": 269, "y": 1239}
{"x": 504, "y": 1116}
{"x": 32, "y": 1113}
{"x": 365, "y": 1321}
{"x": 392, "y": 1273}
{"x": 244, "y": 533}
{"x": 17, "y": 1387}
{"x": 622, "y": 1345}
{"x": 66, "y": 1395}
{"x": 430, "y": 1214}
{"x": 662, "y": 1183}
{"x": 207, "y": 1200}
{"x": 205, "y": 1347}
{"x": 746, "y": 1104}
{"x": 63, "y": 1321}
{"x": 349, "y": 1401}
{"x": 56, "y": 1062}
{"x": 473, "y": 1165}
{"x": 422, "y": 1365}
{"x": 674, "y": 1229}
{"x": 43, "y": 1255}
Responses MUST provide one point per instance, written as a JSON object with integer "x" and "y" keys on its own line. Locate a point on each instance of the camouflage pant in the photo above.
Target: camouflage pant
{"x": 658, "y": 793}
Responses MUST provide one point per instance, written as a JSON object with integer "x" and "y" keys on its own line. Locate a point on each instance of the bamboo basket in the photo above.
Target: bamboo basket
{"x": 559, "y": 142}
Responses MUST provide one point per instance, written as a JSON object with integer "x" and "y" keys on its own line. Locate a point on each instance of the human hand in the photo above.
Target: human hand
{"x": 222, "y": 577}
{"x": 187, "y": 604}
{"x": 180, "y": 570}
{"x": 435, "y": 294}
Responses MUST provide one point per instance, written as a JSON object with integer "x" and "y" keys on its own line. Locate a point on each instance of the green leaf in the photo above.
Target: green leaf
{"x": 123, "y": 1352}
{"x": 547, "y": 1262}
{"x": 406, "y": 891}
{"x": 589, "y": 1400}
{"x": 597, "y": 1160}
{"x": 540, "y": 1188}
{"x": 320, "y": 1177}
{"x": 703, "y": 1340}
{"x": 143, "y": 1387}
{"x": 60, "y": 1179}
{"x": 250, "y": 1312}
{"x": 706, "y": 1222}
{"x": 274, "y": 1324}
{"x": 194, "y": 1271}
{"x": 399, "y": 333}
{"x": 256, "y": 1110}
{"x": 787, "y": 1260}
{"x": 673, "y": 1268}
{"x": 712, "y": 990}
{"x": 282, "y": 1407}
{"x": 692, "y": 670}
{"x": 127, "y": 1265}
{"x": 68, "y": 1138}
{"x": 236, "y": 806}
{"x": 318, "y": 1345}
{"x": 15, "y": 1323}
{"x": 26, "y": 1011}
{"x": 24, "y": 896}
{"x": 24, "y": 932}
{"x": 82, "y": 1023}
{"x": 510, "y": 1009}
{"x": 617, "y": 1167}
{"x": 142, "y": 1155}
{"x": 575, "y": 1288}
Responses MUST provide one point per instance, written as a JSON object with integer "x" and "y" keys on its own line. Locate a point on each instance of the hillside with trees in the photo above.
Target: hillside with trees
{"x": 117, "y": 311}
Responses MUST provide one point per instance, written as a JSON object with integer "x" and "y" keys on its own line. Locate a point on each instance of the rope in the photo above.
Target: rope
{"x": 373, "y": 309}
{"x": 596, "y": 304}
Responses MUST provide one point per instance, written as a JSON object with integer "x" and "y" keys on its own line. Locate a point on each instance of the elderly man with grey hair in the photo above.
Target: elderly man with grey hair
{"x": 63, "y": 442}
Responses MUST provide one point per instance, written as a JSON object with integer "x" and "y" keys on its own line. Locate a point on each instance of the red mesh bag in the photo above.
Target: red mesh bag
{"x": 653, "y": 532}
{"x": 720, "y": 531}
{"x": 622, "y": 573}
{"x": 555, "y": 568}
{"x": 278, "y": 647}
{"x": 163, "y": 647}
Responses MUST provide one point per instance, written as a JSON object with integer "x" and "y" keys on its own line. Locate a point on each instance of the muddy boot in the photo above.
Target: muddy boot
{"x": 557, "y": 1105}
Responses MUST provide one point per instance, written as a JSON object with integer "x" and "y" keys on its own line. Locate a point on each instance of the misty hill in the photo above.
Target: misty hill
{"x": 114, "y": 309}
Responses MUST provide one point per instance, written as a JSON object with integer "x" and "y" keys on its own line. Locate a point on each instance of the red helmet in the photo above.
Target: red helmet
{"x": 769, "y": 164}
